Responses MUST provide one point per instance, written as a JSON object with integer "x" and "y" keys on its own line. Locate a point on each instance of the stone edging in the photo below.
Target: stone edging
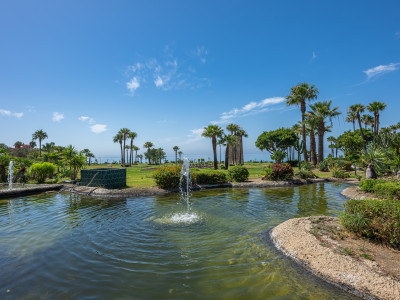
{"x": 354, "y": 192}
{"x": 30, "y": 190}
{"x": 359, "y": 277}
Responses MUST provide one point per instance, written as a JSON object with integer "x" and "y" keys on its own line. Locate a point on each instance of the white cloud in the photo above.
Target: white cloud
{"x": 133, "y": 85}
{"x": 249, "y": 109}
{"x": 18, "y": 115}
{"x": 86, "y": 119}
{"x": 194, "y": 136}
{"x": 57, "y": 117}
{"x": 98, "y": 128}
{"x": 4, "y": 112}
{"x": 314, "y": 56}
{"x": 381, "y": 69}
{"x": 202, "y": 53}
{"x": 158, "y": 82}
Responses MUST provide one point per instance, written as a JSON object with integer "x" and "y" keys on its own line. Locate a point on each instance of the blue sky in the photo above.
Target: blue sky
{"x": 81, "y": 70}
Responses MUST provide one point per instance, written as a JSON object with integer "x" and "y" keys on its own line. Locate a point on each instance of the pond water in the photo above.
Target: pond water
{"x": 59, "y": 245}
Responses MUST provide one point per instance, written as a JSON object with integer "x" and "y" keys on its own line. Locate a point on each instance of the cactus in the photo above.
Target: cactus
{"x": 299, "y": 147}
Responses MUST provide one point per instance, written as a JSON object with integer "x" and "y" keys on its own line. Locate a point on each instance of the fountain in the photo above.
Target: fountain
{"x": 10, "y": 175}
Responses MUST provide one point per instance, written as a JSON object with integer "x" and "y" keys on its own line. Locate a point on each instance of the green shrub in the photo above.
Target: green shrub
{"x": 340, "y": 174}
{"x": 41, "y": 171}
{"x": 279, "y": 172}
{"x": 209, "y": 177}
{"x": 168, "y": 177}
{"x": 347, "y": 165}
{"x": 304, "y": 174}
{"x": 368, "y": 185}
{"x": 323, "y": 166}
{"x": 238, "y": 174}
{"x": 307, "y": 166}
{"x": 378, "y": 220}
{"x": 387, "y": 190}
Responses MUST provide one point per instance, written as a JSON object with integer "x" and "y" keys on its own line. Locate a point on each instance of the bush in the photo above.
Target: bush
{"x": 238, "y": 174}
{"x": 307, "y": 166}
{"x": 304, "y": 174}
{"x": 168, "y": 177}
{"x": 293, "y": 163}
{"x": 209, "y": 177}
{"x": 323, "y": 166}
{"x": 368, "y": 185}
{"x": 279, "y": 172}
{"x": 41, "y": 171}
{"x": 347, "y": 165}
{"x": 378, "y": 220}
{"x": 340, "y": 174}
{"x": 387, "y": 190}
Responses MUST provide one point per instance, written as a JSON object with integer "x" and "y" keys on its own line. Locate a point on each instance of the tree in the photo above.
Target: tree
{"x": 233, "y": 129}
{"x": 213, "y": 131}
{"x": 132, "y": 135}
{"x": 230, "y": 140}
{"x": 48, "y": 147}
{"x": 88, "y": 154}
{"x": 240, "y": 134}
{"x": 148, "y": 145}
{"x": 32, "y": 144}
{"x": 376, "y": 107}
{"x": 18, "y": 144}
{"x": 39, "y": 135}
{"x": 332, "y": 141}
{"x": 352, "y": 143}
{"x": 124, "y": 132}
{"x": 220, "y": 143}
{"x": 136, "y": 149}
{"x": 311, "y": 128}
{"x": 351, "y": 118}
{"x": 176, "y": 148}
{"x": 368, "y": 120}
{"x": 322, "y": 110}
{"x": 279, "y": 139}
{"x": 299, "y": 94}
{"x": 358, "y": 109}
{"x": 68, "y": 155}
{"x": 180, "y": 155}
{"x": 118, "y": 138}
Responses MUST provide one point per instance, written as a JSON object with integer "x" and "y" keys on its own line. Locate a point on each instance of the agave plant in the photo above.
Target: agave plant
{"x": 374, "y": 159}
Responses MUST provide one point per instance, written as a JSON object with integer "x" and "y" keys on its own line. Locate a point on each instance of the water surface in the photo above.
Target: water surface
{"x": 64, "y": 246}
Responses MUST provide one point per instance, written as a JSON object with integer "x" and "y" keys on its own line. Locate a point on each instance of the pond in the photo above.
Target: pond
{"x": 59, "y": 245}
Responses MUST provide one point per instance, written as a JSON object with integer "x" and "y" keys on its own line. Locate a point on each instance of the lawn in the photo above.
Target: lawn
{"x": 140, "y": 176}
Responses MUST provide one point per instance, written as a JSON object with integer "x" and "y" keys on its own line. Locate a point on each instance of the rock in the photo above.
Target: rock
{"x": 370, "y": 172}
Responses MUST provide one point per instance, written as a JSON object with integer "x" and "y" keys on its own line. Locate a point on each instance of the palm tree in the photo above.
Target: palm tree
{"x": 230, "y": 141}
{"x": 180, "y": 155}
{"x": 368, "y": 120}
{"x": 351, "y": 118}
{"x": 127, "y": 148}
{"x": 132, "y": 135}
{"x": 88, "y": 154}
{"x": 233, "y": 129}
{"x": 136, "y": 149}
{"x": 299, "y": 94}
{"x": 221, "y": 143}
{"x": 39, "y": 135}
{"x": 376, "y": 107}
{"x": 118, "y": 139}
{"x": 358, "y": 109}
{"x": 124, "y": 132}
{"x": 68, "y": 155}
{"x": 322, "y": 110}
{"x": 141, "y": 157}
{"x": 48, "y": 147}
{"x": 176, "y": 148}
{"x": 311, "y": 128}
{"x": 148, "y": 145}
{"x": 240, "y": 134}
{"x": 213, "y": 131}
{"x": 32, "y": 144}
{"x": 333, "y": 141}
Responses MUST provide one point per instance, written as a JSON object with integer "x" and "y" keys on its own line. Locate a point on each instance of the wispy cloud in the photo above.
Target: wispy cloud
{"x": 98, "y": 128}
{"x": 168, "y": 73}
{"x": 8, "y": 113}
{"x": 194, "y": 136}
{"x": 86, "y": 119}
{"x": 249, "y": 109}
{"x": 380, "y": 70}
{"x": 57, "y": 117}
{"x": 314, "y": 56}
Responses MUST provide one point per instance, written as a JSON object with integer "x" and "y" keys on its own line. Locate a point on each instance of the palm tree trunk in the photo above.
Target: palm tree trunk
{"x": 313, "y": 149}
{"x": 361, "y": 130}
{"x": 321, "y": 128}
{"x": 303, "y": 112}
{"x": 176, "y": 156}
{"x": 377, "y": 123}
{"x": 214, "y": 145}
{"x": 220, "y": 161}
{"x": 40, "y": 148}
{"x": 227, "y": 157}
{"x": 354, "y": 126}
{"x": 148, "y": 154}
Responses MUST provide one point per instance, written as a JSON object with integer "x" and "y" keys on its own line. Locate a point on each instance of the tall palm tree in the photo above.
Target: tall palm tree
{"x": 136, "y": 149}
{"x": 131, "y": 135}
{"x": 233, "y": 129}
{"x": 88, "y": 154}
{"x": 311, "y": 128}
{"x": 180, "y": 155}
{"x": 148, "y": 145}
{"x": 124, "y": 132}
{"x": 376, "y": 107}
{"x": 230, "y": 141}
{"x": 220, "y": 143}
{"x": 299, "y": 94}
{"x": 118, "y": 139}
{"x": 39, "y": 135}
{"x": 351, "y": 118}
{"x": 332, "y": 140}
{"x": 240, "y": 134}
{"x": 358, "y": 109}
{"x": 213, "y": 131}
{"x": 368, "y": 120}
{"x": 176, "y": 148}
{"x": 322, "y": 110}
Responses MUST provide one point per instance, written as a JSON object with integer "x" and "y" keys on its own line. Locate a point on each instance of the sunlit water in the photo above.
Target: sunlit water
{"x": 63, "y": 246}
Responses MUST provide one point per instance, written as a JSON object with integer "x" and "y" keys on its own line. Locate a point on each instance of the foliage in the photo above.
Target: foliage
{"x": 307, "y": 166}
{"x": 368, "y": 185}
{"x": 209, "y": 177}
{"x": 279, "y": 172}
{"x": 168, "y": 177}
{"x": 340, "y": 174}
{"x": 351, "y": 142}
{"x": 293, "y": 163}
{"x": 378, "y": 220}
{"x": 381, "y": 188}
{"x": 274, "y": 140}
{"x": 304, "y": 174}
{"x": 278, "y": 156}
{"x": 238, "y": 174}
{"x": 41, "y": 171}
{"x": 323, "y": 166}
